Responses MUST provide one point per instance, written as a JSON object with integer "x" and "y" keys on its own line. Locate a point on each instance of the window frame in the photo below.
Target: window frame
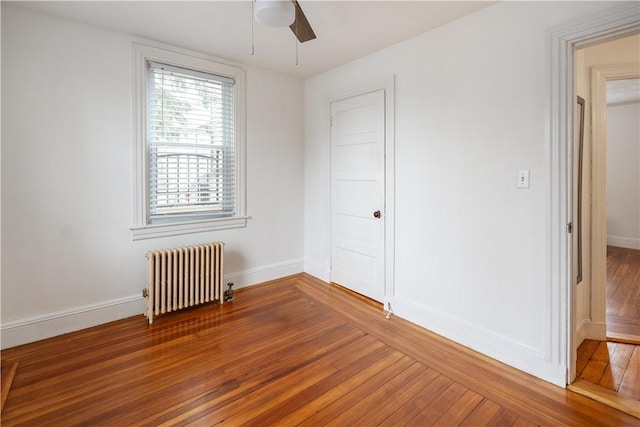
{"x": 142, "y": 228}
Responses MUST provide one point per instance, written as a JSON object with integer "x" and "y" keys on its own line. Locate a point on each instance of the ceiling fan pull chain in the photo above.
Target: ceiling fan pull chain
{"x": 253, "y": 5}
{"x": 296, "y": 40}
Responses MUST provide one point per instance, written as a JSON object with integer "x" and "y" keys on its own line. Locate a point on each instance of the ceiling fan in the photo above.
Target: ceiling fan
{"x": 282, "y": 13}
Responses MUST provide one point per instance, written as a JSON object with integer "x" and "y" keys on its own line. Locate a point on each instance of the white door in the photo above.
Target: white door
{"x": 357, "y": 194}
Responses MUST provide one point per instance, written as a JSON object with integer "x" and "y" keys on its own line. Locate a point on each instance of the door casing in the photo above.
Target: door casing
{"x": 599, "y": 77}
{"x": 619, "y": 21}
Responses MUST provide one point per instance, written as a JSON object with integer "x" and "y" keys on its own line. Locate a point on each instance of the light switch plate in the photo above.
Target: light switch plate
{"x": 523, "y": 179}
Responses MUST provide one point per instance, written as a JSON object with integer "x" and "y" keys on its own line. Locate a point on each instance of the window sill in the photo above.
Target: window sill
{"x": 175, "y": 229}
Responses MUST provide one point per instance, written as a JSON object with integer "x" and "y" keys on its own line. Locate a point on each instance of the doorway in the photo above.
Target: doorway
{"x": 617, "y": 21}
{"x": 595, "y": 65}
{"x": 623, "y": 210}
{"x": 610, "y": 60}
{"x": 607, "y": 366}
{"x": 604, "y": 370}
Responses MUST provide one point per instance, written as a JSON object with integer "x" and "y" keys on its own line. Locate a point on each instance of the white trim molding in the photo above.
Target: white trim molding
{"x": 623, "y": 242}
{"x": 560, "y": 346}
{"x": 499, "y": 347}
{"x": 35, "y": 328}
{"x": 258, "y": 275}
{"x": 317, "y": 270}
{"x": 144, "y": 51}
{"x": 599, "y": 77}
{"x": 176, "y": 229}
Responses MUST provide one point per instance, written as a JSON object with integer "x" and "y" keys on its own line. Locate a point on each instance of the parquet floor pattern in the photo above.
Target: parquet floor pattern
{"x": 294, "y": 351}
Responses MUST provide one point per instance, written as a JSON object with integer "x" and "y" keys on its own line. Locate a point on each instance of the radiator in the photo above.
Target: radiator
{"x": 183, "y": 277}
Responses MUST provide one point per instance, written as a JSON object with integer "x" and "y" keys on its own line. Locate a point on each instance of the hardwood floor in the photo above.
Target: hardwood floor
{"x": 623, "y": 294}
{"x": 295, "y": 351}
{"x": 6, "y": 380}
{"x": 614, "y": 366}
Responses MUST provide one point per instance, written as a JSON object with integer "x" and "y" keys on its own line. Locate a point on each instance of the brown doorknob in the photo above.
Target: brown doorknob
{"x": 376, "y": 214}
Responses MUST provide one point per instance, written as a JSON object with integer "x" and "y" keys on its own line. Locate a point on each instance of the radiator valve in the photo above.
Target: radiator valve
{"x": 228, "y": 294}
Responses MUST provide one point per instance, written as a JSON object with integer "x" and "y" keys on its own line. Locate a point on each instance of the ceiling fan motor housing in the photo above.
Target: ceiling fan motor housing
{"x": 275, "y": 13}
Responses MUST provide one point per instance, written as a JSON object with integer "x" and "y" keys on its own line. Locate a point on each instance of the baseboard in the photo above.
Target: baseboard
{"x": 595, "y": 331}
{"x": 35, "y": 328}
{"x": 623, "y": 338}
{"x": 486, "y": 342}
{"x": 317, "y": 270}
{"x": 254, "y": 276}
{"x": 581, "y": 333}
{"x": 588, "y": 329}
{"x": 624, "y": 242}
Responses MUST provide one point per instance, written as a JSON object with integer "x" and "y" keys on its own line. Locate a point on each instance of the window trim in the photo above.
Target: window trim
{"x": 141, "y": 228}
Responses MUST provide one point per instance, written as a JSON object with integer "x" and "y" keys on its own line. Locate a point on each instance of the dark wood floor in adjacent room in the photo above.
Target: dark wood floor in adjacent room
{"x": 610, "y": 371}
{"x": 613, "y": 366}
{"x": 289, "y": 352}
{"x": 623, "y": 294}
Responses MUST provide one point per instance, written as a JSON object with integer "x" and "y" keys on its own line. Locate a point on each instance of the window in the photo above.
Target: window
{"x": 188, "y": 155}
{"x": 190, "y": 144}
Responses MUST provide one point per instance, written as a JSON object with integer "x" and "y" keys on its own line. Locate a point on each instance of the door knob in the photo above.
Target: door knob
{"x": 376, "y": 214}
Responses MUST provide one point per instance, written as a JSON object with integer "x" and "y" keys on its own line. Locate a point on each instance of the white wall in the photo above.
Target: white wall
{"x": 471, "y": 110}
{"x": 68, "y": 259}
{"x": 623, "y": 175}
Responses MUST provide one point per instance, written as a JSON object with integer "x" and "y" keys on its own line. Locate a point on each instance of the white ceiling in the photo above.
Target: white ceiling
{"x": 623, "y": 91}
{"x": 345, "y": 30}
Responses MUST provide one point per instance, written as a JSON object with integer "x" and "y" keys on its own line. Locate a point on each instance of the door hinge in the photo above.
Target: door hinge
{"x": 330, "y": 121}
{"x": 570, "y": 228}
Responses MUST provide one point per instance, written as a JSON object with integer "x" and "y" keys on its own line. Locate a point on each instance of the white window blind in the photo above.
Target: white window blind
{"x": 190, "y": 144}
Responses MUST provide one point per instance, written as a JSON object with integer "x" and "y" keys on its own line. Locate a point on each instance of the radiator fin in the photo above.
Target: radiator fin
{"x": 178, "y": 278}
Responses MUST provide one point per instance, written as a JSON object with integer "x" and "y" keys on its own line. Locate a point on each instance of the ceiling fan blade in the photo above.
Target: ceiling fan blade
{"x": 301, "y": 27}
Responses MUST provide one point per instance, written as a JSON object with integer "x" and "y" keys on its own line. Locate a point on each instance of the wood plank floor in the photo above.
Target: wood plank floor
{"x": 7, "y": 372}
{"x": 295, "y": 351}
{"x": 614, "y": 366}
{"x": 623, "y": 294}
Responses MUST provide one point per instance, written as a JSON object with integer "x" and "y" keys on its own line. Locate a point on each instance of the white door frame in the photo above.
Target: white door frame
{"x": 388, "y": 86}
{"x": 599, "y": 77}
{"x": 560, "y": 294}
